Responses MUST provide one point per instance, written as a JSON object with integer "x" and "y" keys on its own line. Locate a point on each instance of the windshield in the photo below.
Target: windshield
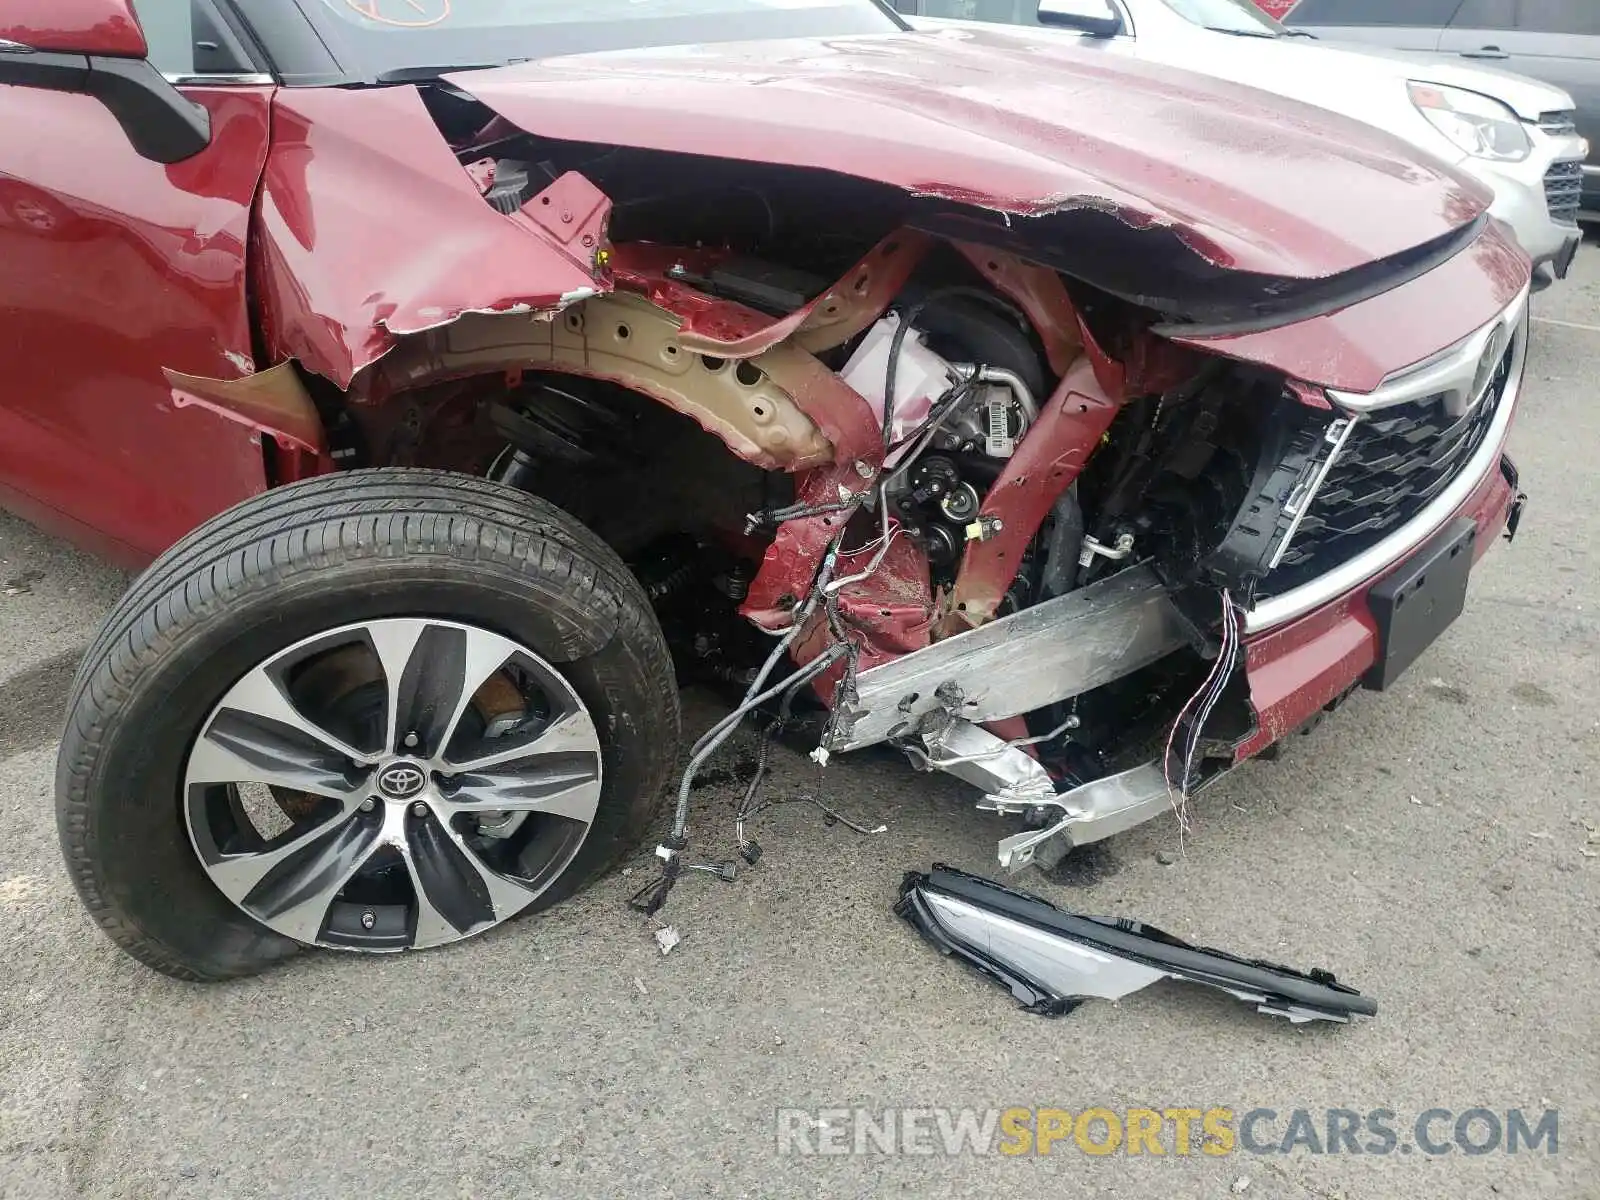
{"x": 397, "y": 37}
{"x": 1227, "y": 16}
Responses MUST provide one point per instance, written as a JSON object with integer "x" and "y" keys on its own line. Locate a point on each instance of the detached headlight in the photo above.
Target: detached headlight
{"x": 1479, "y": 125}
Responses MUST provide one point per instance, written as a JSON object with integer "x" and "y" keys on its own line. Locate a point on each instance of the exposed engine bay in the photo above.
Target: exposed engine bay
{"x": 920, "y": 547}
{"x": 976, "y": 508}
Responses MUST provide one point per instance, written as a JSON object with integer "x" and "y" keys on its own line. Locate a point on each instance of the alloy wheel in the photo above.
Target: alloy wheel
{"x": 399, "y": 783}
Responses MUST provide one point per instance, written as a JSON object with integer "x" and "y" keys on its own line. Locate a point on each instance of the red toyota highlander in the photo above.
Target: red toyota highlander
{"x": 470, "y": 375}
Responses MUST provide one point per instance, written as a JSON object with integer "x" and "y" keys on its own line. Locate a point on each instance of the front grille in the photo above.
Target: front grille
{"x": 1563, "y": 191}
{"x": 1559, "y": 124}
{"x": 1394, "y": 462}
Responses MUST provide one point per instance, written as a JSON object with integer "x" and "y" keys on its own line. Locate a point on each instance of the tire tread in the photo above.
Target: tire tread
{"x": 271, "y": 540}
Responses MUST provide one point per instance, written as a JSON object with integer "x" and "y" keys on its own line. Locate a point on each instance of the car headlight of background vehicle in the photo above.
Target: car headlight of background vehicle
{"x": 1479, "y": 125}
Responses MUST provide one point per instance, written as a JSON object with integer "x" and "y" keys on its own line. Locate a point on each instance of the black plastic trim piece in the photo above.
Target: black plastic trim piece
{"x": 1519, "y": 498}
{"x": 159, "y": 121}
{"x": 1318, "y": 297}
{"x": 1419, "y": 600}
{"x": 293, "y": 48}
{"x": 1297, "y": 446}
{"x": 1098, "y": 248}
{"x": 1095, "y": 27}
{"x": 163, "y": 125}
{"x": 42, "y": 69}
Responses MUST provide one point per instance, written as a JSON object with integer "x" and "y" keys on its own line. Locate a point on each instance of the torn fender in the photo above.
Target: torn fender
{"x": 369, "y": 230}
{"x": 273, "y": 402}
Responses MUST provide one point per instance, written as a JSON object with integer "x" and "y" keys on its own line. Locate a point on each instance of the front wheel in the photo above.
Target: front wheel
{"x": 376, "y": 711}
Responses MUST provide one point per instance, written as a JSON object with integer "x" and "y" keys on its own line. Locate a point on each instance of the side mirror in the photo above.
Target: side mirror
{"x": 96, "y": 48}
{"x": 1097, "y": 18}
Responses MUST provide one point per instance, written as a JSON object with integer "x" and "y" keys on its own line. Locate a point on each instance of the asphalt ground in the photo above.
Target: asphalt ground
{"x": 1433, "y": 845}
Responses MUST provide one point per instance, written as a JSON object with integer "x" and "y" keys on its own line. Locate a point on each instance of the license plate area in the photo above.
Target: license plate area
{"x": 1420, "y": 600}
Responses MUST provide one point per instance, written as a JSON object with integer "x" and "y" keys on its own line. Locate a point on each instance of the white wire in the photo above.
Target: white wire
{"x": 898, "y": 530}
{"x": 1197, "y": 728}
{"x": 1210, "y": 693}
{"x": 877, "y": 559}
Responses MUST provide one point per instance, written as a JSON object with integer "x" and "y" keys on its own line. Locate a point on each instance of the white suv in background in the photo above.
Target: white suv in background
{"x": 1513, "y": 133}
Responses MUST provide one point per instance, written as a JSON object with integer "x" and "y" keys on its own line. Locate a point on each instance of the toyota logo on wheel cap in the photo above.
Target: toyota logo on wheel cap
{"x": 401, "y": 780}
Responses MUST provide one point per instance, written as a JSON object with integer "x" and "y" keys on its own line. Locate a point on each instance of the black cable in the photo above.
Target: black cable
{"x": 907, "y": 316}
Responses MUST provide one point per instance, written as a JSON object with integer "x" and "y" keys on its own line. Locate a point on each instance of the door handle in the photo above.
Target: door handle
{"x": 1486, "y": 52}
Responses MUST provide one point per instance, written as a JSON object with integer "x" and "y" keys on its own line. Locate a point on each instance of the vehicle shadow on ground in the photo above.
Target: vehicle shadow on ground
{"x": 32, "y": 703}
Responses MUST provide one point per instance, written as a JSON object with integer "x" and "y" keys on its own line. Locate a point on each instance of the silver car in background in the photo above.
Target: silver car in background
{"x": 1557, "y": 41}
{"x": 1515, "y": 134}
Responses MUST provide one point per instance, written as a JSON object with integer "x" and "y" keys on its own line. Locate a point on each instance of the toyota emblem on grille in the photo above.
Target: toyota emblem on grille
{"x": 401, "y": 780}
{"x": 1488, "y": 364}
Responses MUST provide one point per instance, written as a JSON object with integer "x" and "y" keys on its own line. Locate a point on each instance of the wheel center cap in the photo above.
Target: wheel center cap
{"x": 401, "y": 780}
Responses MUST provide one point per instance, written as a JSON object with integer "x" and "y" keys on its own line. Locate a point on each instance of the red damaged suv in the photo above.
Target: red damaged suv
{"x": 475, "y": 373}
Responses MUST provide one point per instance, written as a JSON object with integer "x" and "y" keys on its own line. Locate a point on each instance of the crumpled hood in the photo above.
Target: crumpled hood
{"x": 1249, "y": 182}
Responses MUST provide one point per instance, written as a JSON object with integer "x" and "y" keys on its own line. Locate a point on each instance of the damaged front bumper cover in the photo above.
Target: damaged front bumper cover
{"x": 1052, "y": 960}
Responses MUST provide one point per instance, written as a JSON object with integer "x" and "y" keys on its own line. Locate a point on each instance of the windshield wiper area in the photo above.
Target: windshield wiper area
{"x": 1299, "y": 33}
{"x": 429, "y": 74}
{"x": 1249, "y": 33}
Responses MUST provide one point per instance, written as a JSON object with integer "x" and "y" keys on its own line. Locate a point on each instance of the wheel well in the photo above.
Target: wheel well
{"x": 629, "y": 468}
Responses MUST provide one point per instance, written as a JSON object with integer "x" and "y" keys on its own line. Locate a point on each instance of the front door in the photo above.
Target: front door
{"x": 113, "y": 267}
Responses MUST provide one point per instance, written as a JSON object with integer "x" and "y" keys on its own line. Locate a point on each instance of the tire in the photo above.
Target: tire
{"x": 370, "y": 551}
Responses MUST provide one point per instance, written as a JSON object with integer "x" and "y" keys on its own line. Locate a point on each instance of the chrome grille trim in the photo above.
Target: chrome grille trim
{"x": 1452, "y": 371}
{"x": 1449, "y": 373}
